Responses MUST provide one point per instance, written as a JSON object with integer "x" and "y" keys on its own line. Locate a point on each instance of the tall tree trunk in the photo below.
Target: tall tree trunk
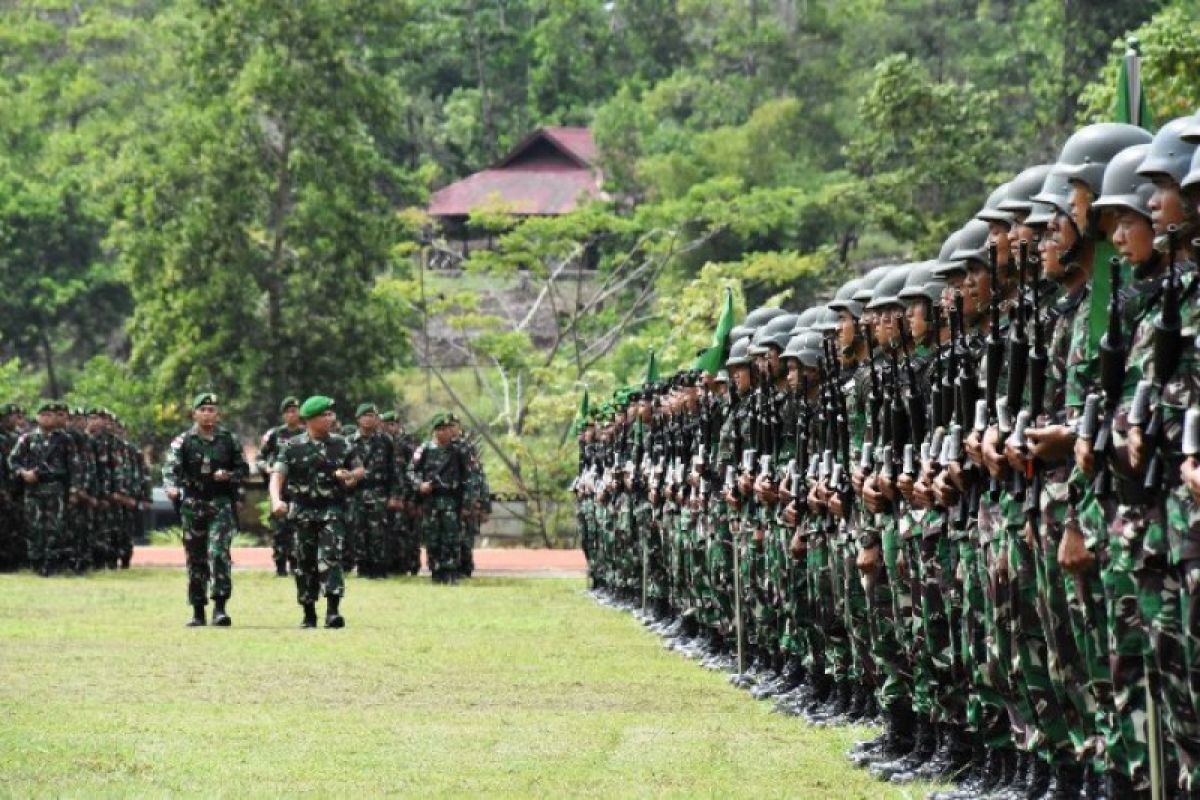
{"x": 48, "y": 357}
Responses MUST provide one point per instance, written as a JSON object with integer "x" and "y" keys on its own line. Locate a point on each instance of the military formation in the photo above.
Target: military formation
{"x": 365, "y": 500}
{"x": 960, "y": 497}
{"x": 72, "y": 490}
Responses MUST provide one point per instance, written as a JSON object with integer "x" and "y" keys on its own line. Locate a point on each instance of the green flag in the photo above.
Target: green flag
{"x": 1132, "y": 106}
{"x": 711, "y": 359}
{"x": 582, "y": 417}
{"x": 651, "y": 368}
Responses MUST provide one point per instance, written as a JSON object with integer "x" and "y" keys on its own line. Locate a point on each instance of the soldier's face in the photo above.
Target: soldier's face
{"x": 917, "y": 316}
{"x": 206, "y": 415}
{"x": 846, "y": 330}
{"x": 774, "y": 365}
{"x": 1166, "y": 205}
{"x": 1019, "y": 233}
{"x": 320, "y": 425}
{"x": 369, "y": 422}
{"x": 46, "y": 420}
{"x": 1134, "y": 237}
{"x": 977, "y": 290}
{"x": 1048, "y": 249}
{"x": 443, "y": 435}
{"x": 740, "y": 375}
{"x": 1063, "y": 232}
{"x": 95, "y": 425}
{"x": 999, "y": 235}
{"x": 889, "y": 326}
{"x": 1080, "y": 201}
{"x": 291, "y": 416}
{"x": 793, "y": 373}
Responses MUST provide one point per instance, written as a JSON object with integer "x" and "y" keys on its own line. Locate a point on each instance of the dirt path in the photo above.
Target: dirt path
{"x": 488, "y": 561}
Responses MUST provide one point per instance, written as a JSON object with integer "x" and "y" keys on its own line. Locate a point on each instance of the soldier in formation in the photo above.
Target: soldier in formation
{"x": 72, "y": 489}
{"x": 960, "y": 497}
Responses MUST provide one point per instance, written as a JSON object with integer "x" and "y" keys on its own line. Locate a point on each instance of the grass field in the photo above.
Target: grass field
{"x": 503, "y": 687}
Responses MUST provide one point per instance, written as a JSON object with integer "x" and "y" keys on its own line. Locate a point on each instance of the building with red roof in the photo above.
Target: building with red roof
{"x": 552, "y": 171}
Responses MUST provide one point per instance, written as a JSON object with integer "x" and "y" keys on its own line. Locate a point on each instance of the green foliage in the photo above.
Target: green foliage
{"x": 1170, "y": 47}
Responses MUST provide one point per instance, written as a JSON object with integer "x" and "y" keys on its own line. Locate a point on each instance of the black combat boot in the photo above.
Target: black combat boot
{"x": 220, "y": 618}
{"x": 1066, "y": 782}
{"x": 924, "y": 742}
{"x": 862, "y": 705}
{"x": 836, "y": 706}
{"x": 332, "y": 618}
{"x": 896, "y": 741}
{"x": 197, "y": 620}
{"x": 918, "y": 761}
{"x": 973, "y": 779}
{"x": 310, "y": 616}
{"x": 281, "y": 569}
{"x": 1017, "y": 787}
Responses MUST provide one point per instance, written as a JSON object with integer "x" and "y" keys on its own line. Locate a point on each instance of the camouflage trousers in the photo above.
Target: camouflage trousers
{"x": 283, "y": 543}
{"x": 910, "y": 624}
{"x": 12, "y": 537}
{"x": 370, "y": 529}
{"x": 890, "y": 609}
{"x": 470, "y": 528}
{"x": 404, "y": 542}
{"x": 208, "y": 527}
{"x": 81, "y": 530}
{"x": 443, "y": 536}
{"x": 47, "y": 541}
{"x": 719, "y": 570}
{"x": 1128, "y": 644}
{"x": 320, "y": 535}
{"x": 940, "y": 604}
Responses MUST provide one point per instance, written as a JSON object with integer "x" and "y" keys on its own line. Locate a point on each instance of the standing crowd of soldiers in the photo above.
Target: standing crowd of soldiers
{"x": 962, "y": 496}
{"x": 72, "y": 490}
{"x": 363, "y": 500}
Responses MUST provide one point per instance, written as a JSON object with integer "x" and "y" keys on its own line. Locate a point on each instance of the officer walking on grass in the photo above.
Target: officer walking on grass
{"x": 317, "y": 471}
{"x": 203, "y": 470}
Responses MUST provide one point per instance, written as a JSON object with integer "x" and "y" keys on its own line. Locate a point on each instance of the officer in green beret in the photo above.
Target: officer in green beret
{"x": 439, "y": 473}
{"x": 41, "y": 460}
{"x": 203, "y": 471}
{"x": 316, "y": 474}
{"x": 273, "y": 443}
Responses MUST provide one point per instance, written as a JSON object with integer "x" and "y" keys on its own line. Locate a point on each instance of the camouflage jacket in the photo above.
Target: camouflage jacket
{"x": 273, "y": 442}
{"x": 193, "y": 459}
{"x": 444, "y": 467}
{"x": 377, "y": 453}
{"x": 49, "y": 453}
{"x": 308, "y": 466}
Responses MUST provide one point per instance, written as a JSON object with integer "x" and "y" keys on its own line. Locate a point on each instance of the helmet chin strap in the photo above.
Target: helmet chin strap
{"x": 1069, "y": 257}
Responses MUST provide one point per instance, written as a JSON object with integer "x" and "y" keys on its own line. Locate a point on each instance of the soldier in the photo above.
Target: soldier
{"x": 316, "y": 472}
{"x": 42, "y": 461}
{"x": 203, "y": 470}
{"x": 12, "y": 544}
{"x": 378, "y": 492}
{"x": 403, "y": 537}
{"x": 439, "y": 472}
{"x": 283, "y": 551}
{"x": 477, "y": 506}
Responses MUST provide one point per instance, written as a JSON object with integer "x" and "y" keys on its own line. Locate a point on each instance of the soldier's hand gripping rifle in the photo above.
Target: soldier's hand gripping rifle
{"x": 875, "y": 398}
{"x": 1114, "y": 350}
{"x": 914, "y": 404}
{"x": 1168, "y": 349}
{"x": 966, "y": 391}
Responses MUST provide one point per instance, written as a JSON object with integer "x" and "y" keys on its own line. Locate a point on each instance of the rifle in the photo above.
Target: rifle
{"x": 914, "y": 405}
{"x": 1168, "y": 348}
{"x": 1018, "y": 359}
{"x": 1114, "y": 351}
{"x": 1039, "y": 363}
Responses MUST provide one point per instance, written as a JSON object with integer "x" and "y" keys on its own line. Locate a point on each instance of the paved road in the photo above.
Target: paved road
{"x": 489, "y": 561}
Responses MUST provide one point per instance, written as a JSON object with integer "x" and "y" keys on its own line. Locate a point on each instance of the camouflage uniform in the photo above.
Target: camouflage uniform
{"x": 446, "y": 468}
{"x": 369, "y": 514}
{"x": 318, "y": 510}
{"x": 49, "y": 453}
{"x": 206, "y": 507}
{"x": 283, "y": 550}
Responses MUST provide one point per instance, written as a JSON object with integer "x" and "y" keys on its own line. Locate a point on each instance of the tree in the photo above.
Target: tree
{"x": 255, "y": 226}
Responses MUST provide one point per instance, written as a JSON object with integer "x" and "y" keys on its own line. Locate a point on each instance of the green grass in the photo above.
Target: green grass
{"x": 507, "y": 687}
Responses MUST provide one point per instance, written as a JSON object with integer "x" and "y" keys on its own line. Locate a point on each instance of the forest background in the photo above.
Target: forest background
{"x": 198, "y": 194}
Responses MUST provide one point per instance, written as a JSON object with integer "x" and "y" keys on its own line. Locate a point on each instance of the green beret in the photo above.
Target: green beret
{"x": 316, "y": 405}
{"x": 365, "y": 408}
{"x": 388, "y": 416}
{"x": 204, "y": 399}
{"x": 288, "y": 402}
{"x": 440, "y": 420}
{"x": 9, "y": 408}
{"x": 44, "y": 406}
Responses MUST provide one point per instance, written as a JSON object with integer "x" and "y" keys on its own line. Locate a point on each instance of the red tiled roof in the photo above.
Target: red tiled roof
{"x": 547, "y": 173}
{"x": 519, "y": 191}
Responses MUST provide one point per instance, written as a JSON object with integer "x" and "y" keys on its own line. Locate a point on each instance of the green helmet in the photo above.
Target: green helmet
{"x": 887, "y": 291}
{"x": 842, "y": 299}
{"x": 776, "y": 332}
{"x": 869, "y": 282}
{"x": 1170, "y": 154}
{"x": 969, "y": 244}
{"x": 761, "y": 316}
{"x": 1021, "y": 189}
{"x": 1123, "y": 187}
{"x": 807, "y": 317}
{"x": 738, "y": 331}
{"x": 1192, "y": 179}
{"x": 795, "y": 342}
{"x": 827, "y": 321}
{"x": 922, "y": 284}
{"x": 1088, "y": 151}
{"x": 1191, "y": 131}
{"x": 991, "y": 211}
{"x": 1052, "y": 199}
{"x": 738, "y": 353}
